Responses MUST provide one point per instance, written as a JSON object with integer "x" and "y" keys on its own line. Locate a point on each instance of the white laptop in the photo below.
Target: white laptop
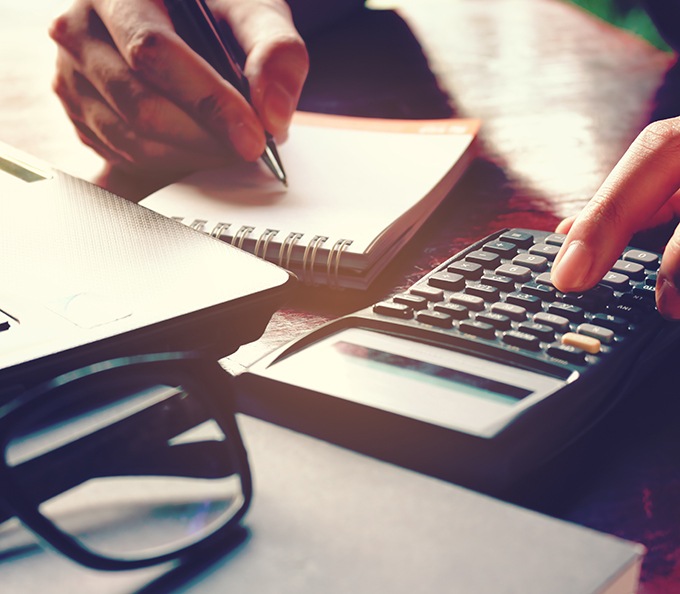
{"x": 86, "y": 275}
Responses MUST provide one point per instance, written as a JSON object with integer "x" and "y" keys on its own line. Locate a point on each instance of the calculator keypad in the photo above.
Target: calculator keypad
{"x": 501, "y": 294}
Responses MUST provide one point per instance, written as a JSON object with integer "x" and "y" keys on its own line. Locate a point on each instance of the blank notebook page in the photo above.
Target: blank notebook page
{"x": 345, "y": 180}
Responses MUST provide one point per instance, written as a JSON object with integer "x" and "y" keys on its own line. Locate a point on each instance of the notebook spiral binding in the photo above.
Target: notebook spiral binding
{"x": 310, "y": 264}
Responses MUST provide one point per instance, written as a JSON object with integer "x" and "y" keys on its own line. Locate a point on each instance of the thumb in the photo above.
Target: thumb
{"x": 668, "y": 281}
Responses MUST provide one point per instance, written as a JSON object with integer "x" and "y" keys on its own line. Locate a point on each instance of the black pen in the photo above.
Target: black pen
{"x": 196, "y": 25}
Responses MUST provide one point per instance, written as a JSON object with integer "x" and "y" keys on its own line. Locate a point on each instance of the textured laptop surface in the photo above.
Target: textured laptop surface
{"x": 87, "y": 275}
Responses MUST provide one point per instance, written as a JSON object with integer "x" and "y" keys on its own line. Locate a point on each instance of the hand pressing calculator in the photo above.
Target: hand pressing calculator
{"x": 481, "y": 373}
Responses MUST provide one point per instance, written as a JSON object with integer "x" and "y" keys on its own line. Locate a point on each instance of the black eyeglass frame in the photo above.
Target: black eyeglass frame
{"x": 212, "y": 387}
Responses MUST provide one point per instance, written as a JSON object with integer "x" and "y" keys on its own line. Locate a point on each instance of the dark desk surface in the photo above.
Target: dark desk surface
{"x": 561, "y": 96}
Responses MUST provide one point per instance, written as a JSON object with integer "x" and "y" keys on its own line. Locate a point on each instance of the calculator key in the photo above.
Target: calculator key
{"x": 567, "y": 310}
{"x": 616, "y": 280}
{"x": 528, "y": 302}
{"x": 498, "y": 321}
{"x": 544, "y": 279}
{"x": 414, "y": 301}
{"x": 540, "y": 331}
{"x": 435, "y": 318}
{"x": 568, "y": 353}
{"x": 394, "y": 310}
{"x": 651, "y": 279}
{"x": 470, "y": 270}
{"x": 430, "y": 293}
{"x": 514, "y": 312}
{"x": 555, "y": 239}
{"x": 650, "y": 261}
{"x": 592, "y": 300}
{"x": 615, "y": 323}
{"x": 486, "y": 292}
{"x": 456, "y": 311}
{"x": 532, "y": 261}
{"x": 544, "y": 292}
{"x": 604, "y": 335}
{"x": 558, "y": 323}
{"x": 572, "y": 298}
{"x": 519, "y": 274}
{"x": 641, "y": 301}
{"x": 521, "y": 239}
{"x": 505, "y": 249}
{"x": 504, "y": 283}
{"x": 522, "y": 340}
{"x": 481, "y": 329}
{"x": 598, "y": 297}
{"x": 543, "y": 249}
{"x": 449, "y": 281}
{"x": 632, "y": 270}
{"x": 470, "y": 301}
{"x": 587, "y": 343}
{"x": 486, "y": 259}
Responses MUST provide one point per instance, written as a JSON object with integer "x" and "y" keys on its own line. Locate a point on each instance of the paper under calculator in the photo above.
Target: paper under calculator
{"x": 481, "y": 372}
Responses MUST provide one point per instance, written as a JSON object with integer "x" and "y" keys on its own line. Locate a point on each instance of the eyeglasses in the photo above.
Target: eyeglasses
{"x": 126, "y": 463}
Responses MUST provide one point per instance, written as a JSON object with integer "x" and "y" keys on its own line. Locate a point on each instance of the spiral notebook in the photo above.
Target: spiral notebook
{"x": 359, "y": 188}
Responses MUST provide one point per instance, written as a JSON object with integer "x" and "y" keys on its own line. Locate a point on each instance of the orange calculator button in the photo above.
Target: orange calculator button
{"x": 587, "y": 343}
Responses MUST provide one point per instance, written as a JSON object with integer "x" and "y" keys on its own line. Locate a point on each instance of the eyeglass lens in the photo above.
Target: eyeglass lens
{"x": 130, "y": 471}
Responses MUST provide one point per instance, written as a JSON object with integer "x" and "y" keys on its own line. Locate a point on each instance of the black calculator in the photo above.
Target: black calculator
{"x": 481, "y": 372}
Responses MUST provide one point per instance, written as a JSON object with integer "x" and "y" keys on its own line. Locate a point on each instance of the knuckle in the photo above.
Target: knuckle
{"x": 661, "y": 136}
{"x": 605, "y": 211}
{"x": 143, "y": 49}
{"x": 59, "y": 29}
{"x": 64, "y": 31}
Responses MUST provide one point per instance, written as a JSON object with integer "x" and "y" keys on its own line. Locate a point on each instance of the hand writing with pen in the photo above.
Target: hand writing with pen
{"x": 144, "y": 100}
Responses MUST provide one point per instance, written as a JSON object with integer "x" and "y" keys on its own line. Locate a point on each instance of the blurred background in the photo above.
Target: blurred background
{"x": 627, "y": 14}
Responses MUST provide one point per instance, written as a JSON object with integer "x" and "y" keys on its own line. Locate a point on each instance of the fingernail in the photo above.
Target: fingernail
{"x": 247, "y": 140}
{"x": 667, "y": 298}
{"x": 279, "y": 106}
{"x": 570, "y": 272}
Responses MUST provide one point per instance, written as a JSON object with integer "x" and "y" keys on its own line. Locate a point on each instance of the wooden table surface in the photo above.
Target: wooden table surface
{"x": 560, "y": 94}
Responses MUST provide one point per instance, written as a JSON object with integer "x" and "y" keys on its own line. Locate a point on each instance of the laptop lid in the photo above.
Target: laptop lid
{"x": 87, "y": 275}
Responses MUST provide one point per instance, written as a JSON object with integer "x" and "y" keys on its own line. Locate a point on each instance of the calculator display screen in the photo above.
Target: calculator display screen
{"x": 430, "y": 383}
{"x": 433, "y": 373}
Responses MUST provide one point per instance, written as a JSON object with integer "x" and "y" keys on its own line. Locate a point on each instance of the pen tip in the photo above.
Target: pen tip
{"x": 272, "y": 160}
